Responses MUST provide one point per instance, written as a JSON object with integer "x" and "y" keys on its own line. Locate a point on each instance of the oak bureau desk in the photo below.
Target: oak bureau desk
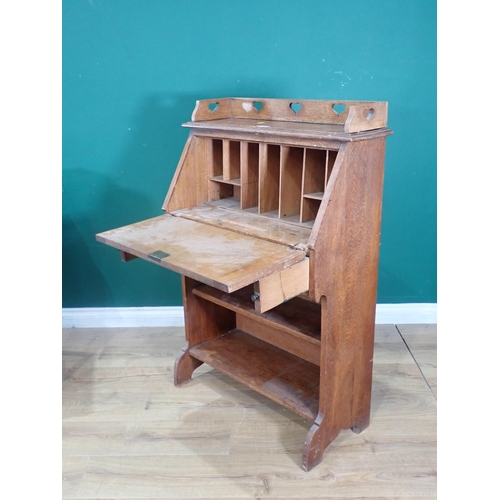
{"x": 273, "y": 220}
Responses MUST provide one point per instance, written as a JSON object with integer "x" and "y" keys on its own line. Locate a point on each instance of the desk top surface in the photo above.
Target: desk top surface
{"x": 295, "y": 129}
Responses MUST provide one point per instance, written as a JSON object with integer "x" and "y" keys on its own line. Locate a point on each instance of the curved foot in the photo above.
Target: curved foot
{"x": 361, "y": 425}
{"x": 316, "y": 441}
{"x": 184, "y": 367}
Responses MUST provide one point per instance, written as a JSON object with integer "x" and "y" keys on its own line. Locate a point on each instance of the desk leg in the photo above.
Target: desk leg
{"x": 184, "y": 366}
{"x": 203, "y": 321}
{"x": 320, "y": 435}
{"x": 346, "y": 376}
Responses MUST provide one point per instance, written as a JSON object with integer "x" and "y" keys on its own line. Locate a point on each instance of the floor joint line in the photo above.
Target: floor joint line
{"x": 416, "y": 362}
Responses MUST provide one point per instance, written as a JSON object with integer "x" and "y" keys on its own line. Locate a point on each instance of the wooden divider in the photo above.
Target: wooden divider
{"x": 291, "y": 166}
{"x": 285, "y": 182}
{"x": 249, "y": 174}
{"x": 269, "y": 178}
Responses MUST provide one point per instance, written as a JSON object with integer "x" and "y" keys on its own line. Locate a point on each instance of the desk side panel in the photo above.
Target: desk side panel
{"x": 189, "y": 186}
{"x": 344, "y": 257}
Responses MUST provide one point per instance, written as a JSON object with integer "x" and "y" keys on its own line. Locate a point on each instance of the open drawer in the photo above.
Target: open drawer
{"x": 218, "y": 257}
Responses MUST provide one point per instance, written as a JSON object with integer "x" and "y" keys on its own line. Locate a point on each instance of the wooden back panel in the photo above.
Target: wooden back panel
{"x": 355, "y": 116}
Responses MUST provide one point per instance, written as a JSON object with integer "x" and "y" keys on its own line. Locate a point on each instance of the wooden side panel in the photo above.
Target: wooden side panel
{"x": 344, "y": 261}
{"x": 366, "y": 116}
{"x": 203, "y": 321}
{"x": 189, "y": 185}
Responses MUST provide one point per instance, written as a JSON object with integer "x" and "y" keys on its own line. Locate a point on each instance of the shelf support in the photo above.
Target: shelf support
{"x": 184, "y": 366}
{"x": 203, "y": 321}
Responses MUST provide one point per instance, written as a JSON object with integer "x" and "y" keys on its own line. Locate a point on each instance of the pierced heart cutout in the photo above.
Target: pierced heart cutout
{"x": 295, "y": 107}
{"x": 258, "y": 105}
{"x": 213, "y": 106}
{"x": 368, "y": 114}
{"x": 339, "y": 108}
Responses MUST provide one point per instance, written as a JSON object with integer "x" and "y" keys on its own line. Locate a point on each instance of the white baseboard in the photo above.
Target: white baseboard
{"x": 114, "y": 317}
{"x": 109, "y": 317}
{"x": 406, "y": 314}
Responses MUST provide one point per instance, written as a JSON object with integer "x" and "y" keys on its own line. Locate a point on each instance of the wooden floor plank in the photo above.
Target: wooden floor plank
{"x": 129, "y": 434}
{"x": 343, "y": 475}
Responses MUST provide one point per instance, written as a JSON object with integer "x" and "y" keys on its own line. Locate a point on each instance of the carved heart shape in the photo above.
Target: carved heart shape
{"x": 368, "y": 114}
{"x": 338, "y": 108}
{"x": 258, "y": 105}
{"x": 295, "y": 107}
{"x": 213, "y": 106}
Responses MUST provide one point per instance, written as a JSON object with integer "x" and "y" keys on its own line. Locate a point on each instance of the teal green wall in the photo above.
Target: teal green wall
{"x": 133, "y": 69}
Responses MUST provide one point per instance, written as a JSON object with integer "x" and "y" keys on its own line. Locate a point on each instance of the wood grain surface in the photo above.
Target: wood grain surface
{"x": 218, "y": 257}
{"x": 129, "y": 434}
{"x": 421, "y": 341}
{"x": 248, "y": 223}
{"x": 353, "y": 116}
{"x": 297, "y": 130}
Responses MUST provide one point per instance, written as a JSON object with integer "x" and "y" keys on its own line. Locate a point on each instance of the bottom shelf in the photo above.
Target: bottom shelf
{"x": 282, "y": 377}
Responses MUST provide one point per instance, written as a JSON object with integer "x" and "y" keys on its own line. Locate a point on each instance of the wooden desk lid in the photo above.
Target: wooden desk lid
{"x": 215, "y": 256}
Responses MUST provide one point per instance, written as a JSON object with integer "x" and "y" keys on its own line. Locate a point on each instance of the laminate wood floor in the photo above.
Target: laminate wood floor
{"x": 128, "y": 433}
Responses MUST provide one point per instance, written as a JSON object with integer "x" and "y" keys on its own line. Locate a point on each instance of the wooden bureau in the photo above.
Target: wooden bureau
{"x": 273, "y": 221}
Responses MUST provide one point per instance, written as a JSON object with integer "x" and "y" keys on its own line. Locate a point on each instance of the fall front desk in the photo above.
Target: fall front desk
{"x": 273, "y": 220}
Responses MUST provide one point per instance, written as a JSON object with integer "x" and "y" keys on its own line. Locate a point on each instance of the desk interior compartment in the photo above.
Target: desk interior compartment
{"x": 277, "y": 181}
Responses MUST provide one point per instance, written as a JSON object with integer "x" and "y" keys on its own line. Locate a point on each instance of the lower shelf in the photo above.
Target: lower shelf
{"x": 282, "y": 377}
